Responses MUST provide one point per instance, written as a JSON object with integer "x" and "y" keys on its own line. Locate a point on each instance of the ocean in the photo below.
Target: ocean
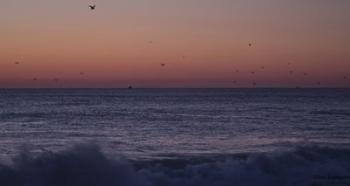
{"x": 174, "y": 137}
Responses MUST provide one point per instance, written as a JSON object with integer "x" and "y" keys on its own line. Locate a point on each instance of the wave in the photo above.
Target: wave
{"x": 331, "y": 112}
{"x": 86, "y": 165}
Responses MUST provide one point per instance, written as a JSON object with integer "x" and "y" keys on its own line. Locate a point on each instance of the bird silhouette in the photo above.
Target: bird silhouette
{"x": 16, "y": 63}
{"x": 162, "y": 64}
{"x": 92, "y": 7}
{"x": 250, "y": 45}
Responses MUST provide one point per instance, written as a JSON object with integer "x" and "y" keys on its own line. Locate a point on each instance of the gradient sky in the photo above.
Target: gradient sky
{"x": 202, "y": 42}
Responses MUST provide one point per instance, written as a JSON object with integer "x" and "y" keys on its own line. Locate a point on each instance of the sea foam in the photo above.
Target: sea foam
{"x": 86, "y": 165}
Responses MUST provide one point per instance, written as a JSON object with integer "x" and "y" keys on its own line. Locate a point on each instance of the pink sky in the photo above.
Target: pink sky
{"x": 202, "y": 42}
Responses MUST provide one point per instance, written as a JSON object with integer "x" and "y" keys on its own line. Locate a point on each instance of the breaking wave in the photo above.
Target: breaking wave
{"x": 86, "y": 165}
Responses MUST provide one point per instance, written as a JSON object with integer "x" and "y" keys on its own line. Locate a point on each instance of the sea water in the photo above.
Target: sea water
{"x": 174, "y": 137}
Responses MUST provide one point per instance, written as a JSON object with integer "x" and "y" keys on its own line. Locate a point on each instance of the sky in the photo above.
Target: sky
{"x": 203, "y": 43}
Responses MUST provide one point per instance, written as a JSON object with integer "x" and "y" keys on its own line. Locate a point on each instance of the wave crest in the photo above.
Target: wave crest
{"x": 86, "y": 165}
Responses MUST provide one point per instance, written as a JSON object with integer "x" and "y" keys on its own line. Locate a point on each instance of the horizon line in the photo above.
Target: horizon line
{"x": 123, "y": 88}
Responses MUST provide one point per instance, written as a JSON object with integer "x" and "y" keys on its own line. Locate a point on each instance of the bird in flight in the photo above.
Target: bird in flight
{"x": 16, "y": 63}
{"x": 92, "y": 7}
{"x": 162, "y": 64}
{"x": 249, "y": 44}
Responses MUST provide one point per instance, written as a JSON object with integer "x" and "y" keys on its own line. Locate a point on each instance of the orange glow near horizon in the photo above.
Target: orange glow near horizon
{"x": 202, "y": 44}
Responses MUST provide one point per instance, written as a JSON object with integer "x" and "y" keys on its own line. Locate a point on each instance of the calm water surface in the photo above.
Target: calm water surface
{"x": 157, "y": 123}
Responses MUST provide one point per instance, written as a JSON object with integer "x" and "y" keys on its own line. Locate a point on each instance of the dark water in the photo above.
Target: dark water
{"x": 175, "y": 137}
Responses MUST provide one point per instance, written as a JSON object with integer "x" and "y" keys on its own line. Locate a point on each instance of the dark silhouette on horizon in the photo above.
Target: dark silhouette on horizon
{"x": 254, "y": 84}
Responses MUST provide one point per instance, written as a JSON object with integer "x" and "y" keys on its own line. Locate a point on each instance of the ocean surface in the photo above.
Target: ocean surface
{"x": 175, "y": 137}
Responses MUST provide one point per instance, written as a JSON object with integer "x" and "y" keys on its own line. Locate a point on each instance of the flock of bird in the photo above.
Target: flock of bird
{"x": 291, "y": 72}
